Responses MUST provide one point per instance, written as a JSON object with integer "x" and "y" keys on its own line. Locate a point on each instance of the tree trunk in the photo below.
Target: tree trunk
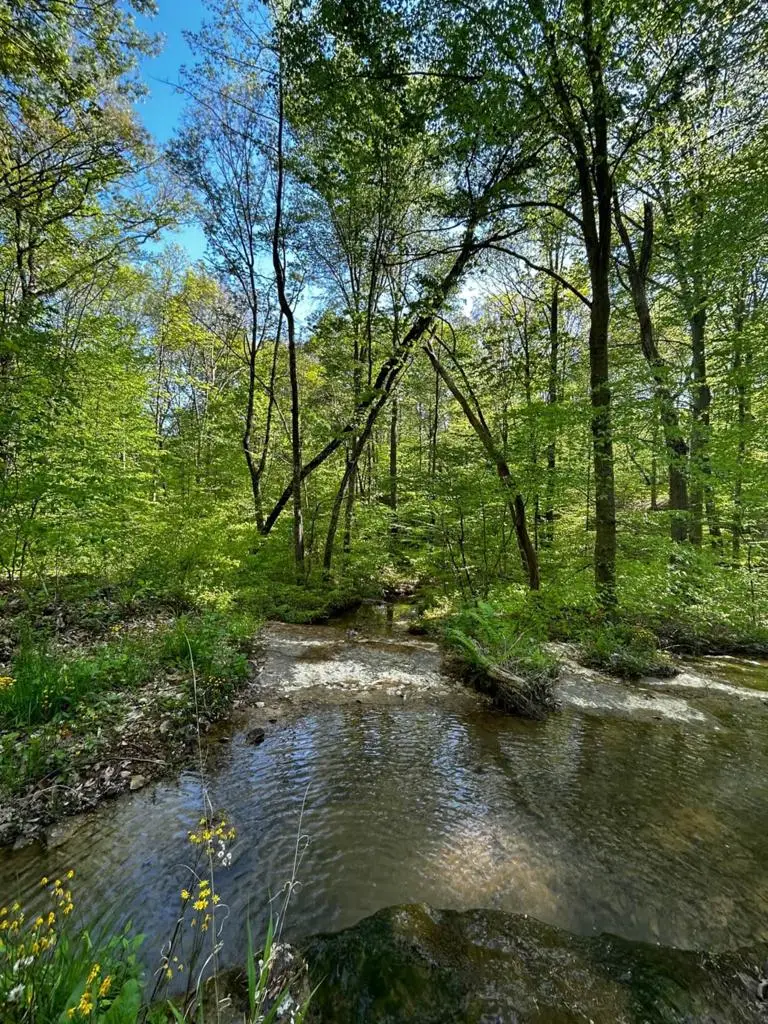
{"x": 256, "y": 469}
{"x": 742, "y": 359}
{"x": 348, "y": 511}
{"x": 638, "y": 266}
{"x": 347, "y": 481}
{"x": 602, "y": 445}
{"x": 278, "y": 262}
{"x": 548, "y": 535}
{"x": 393, "y": 466}
{"x": 702, "y": 496}
{"x": 528, "y": 556}
{"x": 587, "y": 146}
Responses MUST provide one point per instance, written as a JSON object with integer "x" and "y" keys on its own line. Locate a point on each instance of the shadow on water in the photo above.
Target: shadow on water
{"x": 653, "y": 828}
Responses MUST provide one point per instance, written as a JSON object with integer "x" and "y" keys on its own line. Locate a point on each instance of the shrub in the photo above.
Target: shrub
{"x": 625, "y": 651}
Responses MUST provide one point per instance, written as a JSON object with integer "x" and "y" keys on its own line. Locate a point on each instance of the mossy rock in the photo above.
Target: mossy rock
{"x": 422, "y": 966}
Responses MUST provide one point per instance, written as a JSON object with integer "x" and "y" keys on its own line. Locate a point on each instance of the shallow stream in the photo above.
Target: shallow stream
{"x": 639, "y": 809}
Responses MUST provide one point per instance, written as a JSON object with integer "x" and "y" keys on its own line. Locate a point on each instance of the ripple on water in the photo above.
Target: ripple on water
{"x": 592, "y": 820}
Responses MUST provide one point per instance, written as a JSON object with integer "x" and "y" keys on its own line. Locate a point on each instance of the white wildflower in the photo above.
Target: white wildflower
{"x": 15, "y": 994}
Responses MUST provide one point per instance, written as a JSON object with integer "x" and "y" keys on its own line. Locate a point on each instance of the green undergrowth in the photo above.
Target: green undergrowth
{"x": 499, "y": 657}
{"x": 68, "y": 712}
{"x": 267, "y": 585}
{"x": 624, "y": 650}
{"x": 689, "y": 604}
{"x": 313, "y": 602}
{"x": 44, "y": 683}
{"x": 514, "y": 635}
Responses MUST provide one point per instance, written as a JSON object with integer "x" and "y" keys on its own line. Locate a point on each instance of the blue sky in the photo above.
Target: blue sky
{"x": 161, "y": 109}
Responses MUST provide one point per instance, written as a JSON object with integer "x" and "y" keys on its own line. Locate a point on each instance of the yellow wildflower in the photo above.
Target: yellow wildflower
{"x": 105, "y": 986}
{"x": 44, "y": 880}
{"x": 70, "y": 874}
{"x": 39, "y": 922}
{"x": 71, "y": 1012}
{"x": 86, "y": 1003}
{"x": 3, "y": 911}
{"x": 95, "y": 972}
{"x": 185, "y": 894}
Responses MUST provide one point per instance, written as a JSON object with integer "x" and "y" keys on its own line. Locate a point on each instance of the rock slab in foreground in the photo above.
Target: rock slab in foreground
{"x": 422, "y": 966}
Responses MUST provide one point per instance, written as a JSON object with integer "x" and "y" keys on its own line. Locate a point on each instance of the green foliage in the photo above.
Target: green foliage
{"x": 626, "y": 651}
{"x": 503, "y": 659}
{"x": 45, "y": 684}
{"x": 485, "y": 634}
{"x": 53, "y": 971}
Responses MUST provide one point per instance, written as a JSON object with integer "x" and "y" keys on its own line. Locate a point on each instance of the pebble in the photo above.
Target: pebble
{"x": 255, "y": 737}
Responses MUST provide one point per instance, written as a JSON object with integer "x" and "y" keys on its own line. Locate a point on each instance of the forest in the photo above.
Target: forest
{"x": 479, "y": 326}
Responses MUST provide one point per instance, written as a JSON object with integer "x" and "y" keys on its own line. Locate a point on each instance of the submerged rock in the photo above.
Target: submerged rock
{"x": 422, "y": 966}
{"x": 255, "y": 736}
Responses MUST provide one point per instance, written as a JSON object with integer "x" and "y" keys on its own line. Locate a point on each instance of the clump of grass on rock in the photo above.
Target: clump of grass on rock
{"x": 626, "y": 651}
{"x": 497, "y": 658}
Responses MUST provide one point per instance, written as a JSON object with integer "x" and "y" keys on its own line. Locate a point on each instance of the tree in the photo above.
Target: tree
{"x": 471, "y": 409}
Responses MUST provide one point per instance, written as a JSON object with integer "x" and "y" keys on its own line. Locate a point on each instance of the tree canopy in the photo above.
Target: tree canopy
{"x": 483, "y": 303}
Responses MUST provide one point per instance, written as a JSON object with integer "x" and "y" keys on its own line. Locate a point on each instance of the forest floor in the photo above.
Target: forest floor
{"x": 96, "y": 701}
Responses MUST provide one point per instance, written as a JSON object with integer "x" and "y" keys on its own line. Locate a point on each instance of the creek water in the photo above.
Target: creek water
{"x": 638, "y": 809}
